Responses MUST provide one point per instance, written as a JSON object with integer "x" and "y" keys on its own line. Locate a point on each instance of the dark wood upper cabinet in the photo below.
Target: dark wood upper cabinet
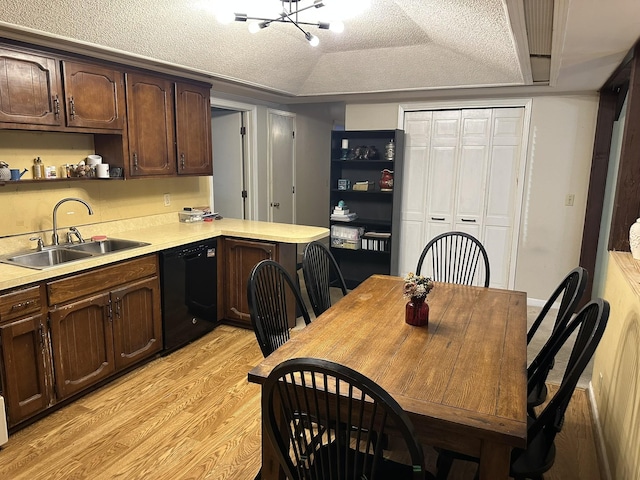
{"x": 193, "y": 129}
{"x": 94, "y": 96}
{"x": 150, "y": 115}
{"x": 29, "y": 89}
{"x": 150, "y": 124}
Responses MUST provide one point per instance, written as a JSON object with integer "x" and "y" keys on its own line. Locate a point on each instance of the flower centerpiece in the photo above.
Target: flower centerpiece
{"x": 416, "y": 288}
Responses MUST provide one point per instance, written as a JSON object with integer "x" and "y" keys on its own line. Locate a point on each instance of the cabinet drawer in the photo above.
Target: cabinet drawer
{"x": 99, "y": 280}
{"x": 20, "y": 303}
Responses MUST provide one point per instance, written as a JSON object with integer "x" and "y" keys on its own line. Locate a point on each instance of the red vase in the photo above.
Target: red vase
{"x": 386, "y": 180}
{"x": 417, "y": 312}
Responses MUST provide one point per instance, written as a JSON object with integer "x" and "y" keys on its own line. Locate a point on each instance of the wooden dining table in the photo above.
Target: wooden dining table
{"x": 461, "y": 379}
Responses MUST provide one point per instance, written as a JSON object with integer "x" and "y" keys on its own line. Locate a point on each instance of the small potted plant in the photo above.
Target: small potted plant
{"x": 416, "y": 288}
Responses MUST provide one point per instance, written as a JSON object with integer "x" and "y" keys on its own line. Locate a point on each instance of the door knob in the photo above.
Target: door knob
{"x": 276, "y": 204}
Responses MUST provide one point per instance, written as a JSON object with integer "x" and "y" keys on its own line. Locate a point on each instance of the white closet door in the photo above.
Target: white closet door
{"x": 472, "y": 171}
{"x": 463, "y": 164}
{"x": 417, "y": 130}
{"x": 501, "y": 193}
{"x": 442, "y": 172}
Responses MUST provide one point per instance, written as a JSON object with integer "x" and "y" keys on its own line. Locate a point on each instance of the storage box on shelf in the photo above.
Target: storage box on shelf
{"x": 355, "y": 179}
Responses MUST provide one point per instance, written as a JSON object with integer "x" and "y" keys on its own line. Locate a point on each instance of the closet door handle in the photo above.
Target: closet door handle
{"x": 473, "y": 220}
{"x": 440, "y": 219}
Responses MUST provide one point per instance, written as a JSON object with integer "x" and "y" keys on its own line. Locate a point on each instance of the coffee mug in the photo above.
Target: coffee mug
{"x": 102, "y": 170}
{"x": 94, "y": 159}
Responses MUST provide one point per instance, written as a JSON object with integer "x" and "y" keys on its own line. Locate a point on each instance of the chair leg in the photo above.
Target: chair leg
{"x": 443, "y": 466}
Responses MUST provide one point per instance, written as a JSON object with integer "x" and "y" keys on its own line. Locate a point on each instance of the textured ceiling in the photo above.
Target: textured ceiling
{"x": 397, "y": 46}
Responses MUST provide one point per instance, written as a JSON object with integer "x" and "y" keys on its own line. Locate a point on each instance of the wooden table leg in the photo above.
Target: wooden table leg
{"x": 494, "y": 461}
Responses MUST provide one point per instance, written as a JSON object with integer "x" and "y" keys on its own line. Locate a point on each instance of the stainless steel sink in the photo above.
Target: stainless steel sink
{"x": 106, "y": 246}
{"x": 46, "y": 258}
{"x": 62, "y": 254}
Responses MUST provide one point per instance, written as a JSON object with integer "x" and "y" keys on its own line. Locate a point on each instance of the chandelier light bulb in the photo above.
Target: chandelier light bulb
{"x": 225, "y": 17}
{"x": 254, "y": 27}
{"x": 337, "y": 26}
{"x": 313, "y": 40}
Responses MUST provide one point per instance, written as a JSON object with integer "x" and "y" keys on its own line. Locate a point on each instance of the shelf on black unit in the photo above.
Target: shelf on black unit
{"x": 363, "y": 222}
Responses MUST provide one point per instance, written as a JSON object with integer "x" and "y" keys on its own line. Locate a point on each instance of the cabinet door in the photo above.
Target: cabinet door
{"x": 94, "y": 96}
{"x": 150, "y": 123}
{"x": 27, "y": 370}
{"x": 193, "y": 130}
{"x": 82, "y": 339}
{"x": 137, "y": 321}
{"x": 29, "y": 89}
{"x": 239, "y": 258}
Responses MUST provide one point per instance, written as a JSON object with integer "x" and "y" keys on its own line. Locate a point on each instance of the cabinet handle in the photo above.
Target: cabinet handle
{"x": 56, "y": 106}
{"x": 109, "y": 310}
{"x": 21, "y": 305}
{"x": 72, "y": 107}
{"x": 440, "y": 219}
{"x": 473, "y": 220}
{"x": 41, "y": 332}
{"x": 135, "y": 161}
{"x": 182, "y": 160}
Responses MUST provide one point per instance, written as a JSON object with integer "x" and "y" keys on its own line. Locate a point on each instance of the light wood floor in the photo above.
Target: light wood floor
{"x": 193, "y": 415}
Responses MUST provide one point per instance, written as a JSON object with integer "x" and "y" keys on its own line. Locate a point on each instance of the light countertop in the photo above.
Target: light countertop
{"x": 161, "y": 236}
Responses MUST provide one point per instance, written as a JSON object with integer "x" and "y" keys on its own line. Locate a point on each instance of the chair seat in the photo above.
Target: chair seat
{"x": 385, "y": 470}
{"x": 534, "y": 461}
{"x": 537, "y": 396}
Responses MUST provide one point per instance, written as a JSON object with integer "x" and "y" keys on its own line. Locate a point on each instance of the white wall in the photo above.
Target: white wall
{"x": 314, "y": 123}
{"x": 561, "y": 136}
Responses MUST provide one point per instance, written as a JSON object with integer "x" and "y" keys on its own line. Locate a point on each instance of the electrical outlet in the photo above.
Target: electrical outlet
{"x": 569, "y": 200}
{"x": 167, "y": 199}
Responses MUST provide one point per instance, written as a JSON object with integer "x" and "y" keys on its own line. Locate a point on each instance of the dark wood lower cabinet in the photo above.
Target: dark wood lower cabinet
{"x": 240, "y": 256}
{"x": 99, "y": 323}
{"x": 137, "y": 321}
{"x": 82, "y": 339}
{"x": 27, "y": 379}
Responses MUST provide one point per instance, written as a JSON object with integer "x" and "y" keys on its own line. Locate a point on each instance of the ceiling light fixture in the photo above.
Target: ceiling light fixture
{"x": 290, "y": 13}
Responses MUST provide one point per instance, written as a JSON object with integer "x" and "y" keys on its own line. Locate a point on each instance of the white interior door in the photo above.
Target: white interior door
{"x": 466, "y": 164}
{"x": 281, "y": 171}
{"x": 228, "y": 163}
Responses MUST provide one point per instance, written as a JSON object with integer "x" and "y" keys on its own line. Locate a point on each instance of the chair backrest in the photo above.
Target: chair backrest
{"x": 333, "y": 416}
{"x": 270, "y": 294}
{"x": 590, "y": 322}
{"x": 321, "y": 271}
{"x": 570, "y": 292}
{"x": 454, "y": 258}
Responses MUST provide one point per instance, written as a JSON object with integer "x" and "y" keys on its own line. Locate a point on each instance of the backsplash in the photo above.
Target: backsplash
{"x": 20, "y": 148}
{"x": 111, "y": 200}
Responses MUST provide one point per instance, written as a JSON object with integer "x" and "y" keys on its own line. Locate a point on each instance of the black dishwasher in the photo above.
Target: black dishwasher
{"x": 189, "y": 292}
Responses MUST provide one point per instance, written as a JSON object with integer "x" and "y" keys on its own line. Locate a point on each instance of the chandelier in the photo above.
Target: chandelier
{"x": 299, "y": 13}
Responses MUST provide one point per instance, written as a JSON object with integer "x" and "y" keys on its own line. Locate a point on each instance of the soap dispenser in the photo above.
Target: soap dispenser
{"x": 38, "y": 169}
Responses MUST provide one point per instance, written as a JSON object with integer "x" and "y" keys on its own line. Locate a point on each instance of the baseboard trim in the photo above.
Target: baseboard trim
{"x": 605, "y": 470}
{"x": 535, "y": 302}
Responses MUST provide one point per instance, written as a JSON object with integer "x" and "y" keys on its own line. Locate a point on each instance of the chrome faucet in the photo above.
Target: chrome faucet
{"x": 55, "y": 239}
{"x": 74, "y": 231}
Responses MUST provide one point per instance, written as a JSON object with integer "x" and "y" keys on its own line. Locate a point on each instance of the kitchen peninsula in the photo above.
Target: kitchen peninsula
{"x": 67, "y": 329}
